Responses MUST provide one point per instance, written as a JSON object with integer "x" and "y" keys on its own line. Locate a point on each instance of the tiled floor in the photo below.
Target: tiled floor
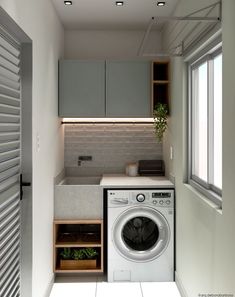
{"x": 104, "y": 289}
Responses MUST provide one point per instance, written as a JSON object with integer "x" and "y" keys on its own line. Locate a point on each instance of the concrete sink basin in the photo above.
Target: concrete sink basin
{"x": 81, "y": 180}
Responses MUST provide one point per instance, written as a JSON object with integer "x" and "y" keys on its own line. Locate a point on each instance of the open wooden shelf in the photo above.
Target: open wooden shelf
{"x": 160, "y": 83}
{"x": 78, "y": 234}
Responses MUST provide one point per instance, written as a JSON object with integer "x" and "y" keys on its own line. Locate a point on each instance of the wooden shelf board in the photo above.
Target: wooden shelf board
{"x": 78, "y": 222}
{"x": 161, "y": 62}
{"x": 77, "y": 271}
{"x": 74, "y": 244}
{"x": 161, "y": 81}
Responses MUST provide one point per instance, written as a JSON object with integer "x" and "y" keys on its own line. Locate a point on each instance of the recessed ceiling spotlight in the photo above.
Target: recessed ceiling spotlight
{"x": 161, "y": 3}
{"x": 119, "y": 3}
{"x": 68, "y": 2}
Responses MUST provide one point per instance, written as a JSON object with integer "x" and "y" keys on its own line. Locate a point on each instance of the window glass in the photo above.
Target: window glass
{"x": 205, "y": 133}
{"x": 217, "y": 180}
{"x": 200, "y": 120}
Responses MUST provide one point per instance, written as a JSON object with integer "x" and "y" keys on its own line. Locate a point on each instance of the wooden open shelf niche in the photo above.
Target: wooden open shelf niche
{"x": 78, "y": 234}
{"x": 160, "y": 83}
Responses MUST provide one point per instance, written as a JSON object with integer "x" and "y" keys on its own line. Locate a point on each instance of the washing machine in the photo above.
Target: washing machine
{"x": 140, "y": 231}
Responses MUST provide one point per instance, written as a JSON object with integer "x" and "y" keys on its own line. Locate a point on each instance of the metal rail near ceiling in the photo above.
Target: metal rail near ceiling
{"x": 201, "y": 26}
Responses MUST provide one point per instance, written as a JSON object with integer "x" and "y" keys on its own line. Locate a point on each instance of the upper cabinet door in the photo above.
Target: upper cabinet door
{"x": 81, "y": 88}
{"x": 128, "y": 89}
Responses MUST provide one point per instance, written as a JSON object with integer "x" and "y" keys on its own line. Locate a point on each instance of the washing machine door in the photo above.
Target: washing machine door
{"x": 141, "y": 234}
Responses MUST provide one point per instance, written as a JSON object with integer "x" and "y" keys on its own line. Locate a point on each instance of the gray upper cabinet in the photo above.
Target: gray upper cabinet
{"x": 81, "y": 88}
{"x": 104, "y": 89}
{"x": 127, "y": 89}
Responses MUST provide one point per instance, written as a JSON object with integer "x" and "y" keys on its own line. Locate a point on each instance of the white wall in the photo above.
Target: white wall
{"x": 205, "y": 241}
{"x": 107, "y": 44}
{"x": 40, "y": 22}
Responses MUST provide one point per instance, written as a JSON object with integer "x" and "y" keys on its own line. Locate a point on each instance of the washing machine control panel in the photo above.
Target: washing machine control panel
{"x": 162, "y": 198}
{"x": 152, "y": 197}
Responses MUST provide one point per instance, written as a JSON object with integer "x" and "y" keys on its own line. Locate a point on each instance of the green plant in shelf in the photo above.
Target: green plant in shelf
{"x": 160, "y": 120}
{"x": 66, "y": 254}
{"x": 78, "y": 254}
{"x": 90, "y": 253}
{"x": 85, "y": 253}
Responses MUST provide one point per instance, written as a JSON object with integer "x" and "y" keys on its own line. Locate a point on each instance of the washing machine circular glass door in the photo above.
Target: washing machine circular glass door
{"x": 141, "y": 234}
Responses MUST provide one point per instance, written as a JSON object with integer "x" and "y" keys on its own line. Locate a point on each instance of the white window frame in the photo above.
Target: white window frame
{"x": 206, "y": 188}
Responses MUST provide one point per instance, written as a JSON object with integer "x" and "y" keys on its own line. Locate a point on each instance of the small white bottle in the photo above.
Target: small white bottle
{"x": 132, "y": 169}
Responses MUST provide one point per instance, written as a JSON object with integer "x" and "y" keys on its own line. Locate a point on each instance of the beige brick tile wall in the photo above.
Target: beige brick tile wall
{"x": 111, "y": 146}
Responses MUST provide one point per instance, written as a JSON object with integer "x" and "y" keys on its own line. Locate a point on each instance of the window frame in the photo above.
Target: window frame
{"x": 206, "y": 188}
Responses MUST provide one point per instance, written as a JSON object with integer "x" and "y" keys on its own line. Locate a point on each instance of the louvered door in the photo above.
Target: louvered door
{"x": 10, "y": 165}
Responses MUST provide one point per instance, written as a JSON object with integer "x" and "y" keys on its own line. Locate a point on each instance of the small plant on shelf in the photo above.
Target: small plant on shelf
{"x": 86, "y": 253}
{"x": 160, "y": 120}
{"x": 83, "y": 258}
{"x": 78, "y": 254}
{"x": 66, "y": 254}
{"x": 90, "y": 253}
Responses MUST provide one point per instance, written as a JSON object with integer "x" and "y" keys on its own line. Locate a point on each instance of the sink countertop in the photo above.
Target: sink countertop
{"x": 140, "y": 181}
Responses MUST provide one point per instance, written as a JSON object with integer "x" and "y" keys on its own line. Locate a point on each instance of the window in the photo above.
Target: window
{"x": 205, "y": 125}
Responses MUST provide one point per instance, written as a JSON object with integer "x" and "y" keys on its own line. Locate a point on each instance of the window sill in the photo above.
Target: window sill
{"x": 204, "y": 198}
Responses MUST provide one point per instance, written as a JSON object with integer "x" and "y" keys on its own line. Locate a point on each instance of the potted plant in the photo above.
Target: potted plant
{"x": 90, "y": 253}
{"x": 66, "y": 254}
{"x": 160, "y": 120}
{"x": 73, "y": 259}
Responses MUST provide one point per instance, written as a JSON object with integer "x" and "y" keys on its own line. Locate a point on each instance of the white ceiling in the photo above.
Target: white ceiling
{"x": 104, "y": 14}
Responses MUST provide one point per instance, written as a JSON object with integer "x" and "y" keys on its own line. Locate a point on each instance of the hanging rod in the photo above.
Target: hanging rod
{"x": 197, "y": 19}
{"x": 161, "y": 55}
{"x": 189, "y": 17}
{"x": 146, "y": 35}
{"x": 153, "y": 21}
{"x": 210, "y": 7}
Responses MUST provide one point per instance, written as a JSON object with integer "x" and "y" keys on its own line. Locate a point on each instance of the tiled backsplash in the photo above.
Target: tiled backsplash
{"x": 111, "y": 146}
